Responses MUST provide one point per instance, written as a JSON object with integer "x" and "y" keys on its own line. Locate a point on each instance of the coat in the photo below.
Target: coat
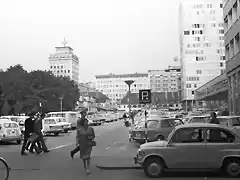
{"x": 29, "y": 126}
{"x": 38, "y": 126}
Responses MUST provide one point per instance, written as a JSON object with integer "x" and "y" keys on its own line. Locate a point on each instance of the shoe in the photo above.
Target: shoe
{"x": 32, "y": 152}
{"x": 88, "y": 172}
{"x": 47, "y": 151}
{"x": 39, "y": 152}
{"x": 24, "y": 154}
{"x": 71, "y": 154}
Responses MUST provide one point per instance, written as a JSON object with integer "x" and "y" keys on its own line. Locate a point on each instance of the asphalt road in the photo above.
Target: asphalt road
{"x": 113, "y": 149}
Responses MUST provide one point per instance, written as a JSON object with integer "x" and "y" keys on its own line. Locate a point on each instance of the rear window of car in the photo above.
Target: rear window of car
{"x": 199, "y": 119}
{"x": 50, "y": 121}
{"x": 10, "y": 125}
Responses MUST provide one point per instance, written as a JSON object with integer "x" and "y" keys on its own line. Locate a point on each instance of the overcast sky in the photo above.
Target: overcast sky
{"x": 118, "y": 36}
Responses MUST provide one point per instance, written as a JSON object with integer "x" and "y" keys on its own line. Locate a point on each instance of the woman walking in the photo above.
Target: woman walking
{"x": 85, "y": 139}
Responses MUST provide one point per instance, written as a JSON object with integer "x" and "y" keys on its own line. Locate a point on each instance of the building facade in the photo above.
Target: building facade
{"x": 202, "y": 54}
{"x": 165, "y": 80}
{"x": 64, "y": 63}
{"x": 114, "y": 87}
{"x": 231, "y": 15}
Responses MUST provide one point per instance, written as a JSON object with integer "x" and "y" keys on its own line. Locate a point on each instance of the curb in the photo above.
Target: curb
{"x": 118, "y": 167}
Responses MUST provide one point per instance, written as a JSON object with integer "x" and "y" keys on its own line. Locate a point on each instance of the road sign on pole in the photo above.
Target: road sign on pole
{"x": 145, "y": 96}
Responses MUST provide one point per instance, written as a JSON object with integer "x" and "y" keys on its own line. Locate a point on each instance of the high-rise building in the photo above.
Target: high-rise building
{"x": 202, "y": 54}
{"x": 231, "y": 12}
{"x": 115, "y": 88}
{"x": 64, "y": 63}
{"x": 165, "y": 80}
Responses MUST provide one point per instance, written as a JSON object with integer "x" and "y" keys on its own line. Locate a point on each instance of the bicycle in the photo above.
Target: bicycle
{"x": 4, "y": 169}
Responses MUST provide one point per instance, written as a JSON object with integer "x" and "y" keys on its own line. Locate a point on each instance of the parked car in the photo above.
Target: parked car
{"x": 51, "y": 126}
{"x": 199, "y": 119}
{"x": 10, "y": 131}
{"x": 231, "y": 122}
{"x": 101, "y": 117}
{"x": 157, "y": 129}
{"x": 66, "y": 126}
{"x": 195, "y": 146}
{"x": 93, "y": 120}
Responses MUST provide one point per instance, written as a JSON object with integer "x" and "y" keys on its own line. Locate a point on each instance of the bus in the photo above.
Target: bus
{"x": 69, "y": 116}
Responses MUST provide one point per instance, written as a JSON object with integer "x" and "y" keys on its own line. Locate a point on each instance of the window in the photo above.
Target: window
{"x": 186, "y": 33}
{"x": 227, "y": 52}
{"x": 188, "y": 135}
{"x": 199, "y": 71}
{"x": 68, "y": 71}
{"x": 221, "y": 5}
{"x": 215, "y": 135}
{"x": 222, "y": 57}
{"x": 153, "y": 124}
{"x": 221, "y": 64}
{"x": 231, "y": 52}
{"x": 195, "y": 85}
{"x": 221, "y": 31}
{"x": 234, "y": 12}
{"x": 237, "y": 44}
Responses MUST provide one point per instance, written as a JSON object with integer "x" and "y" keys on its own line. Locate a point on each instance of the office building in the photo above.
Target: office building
{"x": 115, "y": 88}
{"x": 231, "y": 15}
{"x": 165, "y": 80}
{"x": 202, "y": 54}
{"x": 64, "y": 63}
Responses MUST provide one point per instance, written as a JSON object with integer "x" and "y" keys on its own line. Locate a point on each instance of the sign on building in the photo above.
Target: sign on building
{"x": 145, "y": 96}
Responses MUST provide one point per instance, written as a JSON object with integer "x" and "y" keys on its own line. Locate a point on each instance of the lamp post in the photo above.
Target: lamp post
{"x": 129, "y": 82}
{"x": 61, "y": 103}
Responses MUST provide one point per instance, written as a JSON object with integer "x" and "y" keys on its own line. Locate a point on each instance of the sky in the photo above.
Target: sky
{"x": 108, "y": 36}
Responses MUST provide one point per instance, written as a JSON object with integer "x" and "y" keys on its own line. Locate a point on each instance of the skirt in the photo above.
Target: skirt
{"x": 86, "y": 152}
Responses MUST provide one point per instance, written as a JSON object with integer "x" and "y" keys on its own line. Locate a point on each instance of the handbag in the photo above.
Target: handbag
{"x": 33, "y": 138}
{"x": 92, "y": 143}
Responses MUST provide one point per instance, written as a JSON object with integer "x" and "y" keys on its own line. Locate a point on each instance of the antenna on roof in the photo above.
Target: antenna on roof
{"x": 64, "y": 42}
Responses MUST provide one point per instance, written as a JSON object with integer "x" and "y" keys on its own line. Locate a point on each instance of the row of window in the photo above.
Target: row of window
{"x": 193, "y": 51}
{"x": 200, "y": 6}
{"x": 232, "y": 16}
{"x": 187, "y": 32}
{"x": 233, "y": 47}
{"x": 190, "y": 86}
{"x": 191, "y": 78}
{"x": 61, "y": 71}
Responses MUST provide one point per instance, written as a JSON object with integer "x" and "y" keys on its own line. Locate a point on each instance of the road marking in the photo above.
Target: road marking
{"x": 61, "y": 146}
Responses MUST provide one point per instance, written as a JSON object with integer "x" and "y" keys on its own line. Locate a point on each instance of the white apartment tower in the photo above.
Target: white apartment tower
{"x": 64, "y": 63}
{"x": 202, "y": 53}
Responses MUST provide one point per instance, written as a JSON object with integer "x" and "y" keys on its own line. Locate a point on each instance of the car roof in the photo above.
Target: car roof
{"x": 195, "y": 125}
{"x": 6, "y": 121}
{"x": 54, "y": 118}
{"x": 200, "y": 116}
{"x": 228, "y": 117}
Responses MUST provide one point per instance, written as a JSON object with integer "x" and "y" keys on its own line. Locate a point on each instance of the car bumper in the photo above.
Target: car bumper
{"x": 137, "y": 160}
{"x": 9, "y": 139}
{"x": 54, "y": 131}
{"x": 67, "y": 128}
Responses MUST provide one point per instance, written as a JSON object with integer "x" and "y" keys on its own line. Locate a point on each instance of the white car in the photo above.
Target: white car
{"x": 10, "y": 131}
{"x": 51, "y": 126}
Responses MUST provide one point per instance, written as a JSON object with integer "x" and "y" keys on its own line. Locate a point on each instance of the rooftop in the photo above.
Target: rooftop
{"x": 121, "y": 75}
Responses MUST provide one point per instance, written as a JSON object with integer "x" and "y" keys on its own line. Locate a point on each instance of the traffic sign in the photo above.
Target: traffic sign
{"x": 145, "y": 96}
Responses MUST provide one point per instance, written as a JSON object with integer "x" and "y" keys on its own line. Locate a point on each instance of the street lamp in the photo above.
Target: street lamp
{"x": 129, "y": 82}
{"x": 61, "y": 103}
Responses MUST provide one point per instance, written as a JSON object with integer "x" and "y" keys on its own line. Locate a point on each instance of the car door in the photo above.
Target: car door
{"x": 153, "y": 127}
{"x": 218, "y": 142}
{"x": 186, "y": 149}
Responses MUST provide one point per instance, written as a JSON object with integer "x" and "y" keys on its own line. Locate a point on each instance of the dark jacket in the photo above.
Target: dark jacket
{"x": 29, "y": 126}
{"x": 38, "y": 126}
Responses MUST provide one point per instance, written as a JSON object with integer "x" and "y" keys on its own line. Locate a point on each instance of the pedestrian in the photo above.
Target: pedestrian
{"x": 85, "y": 139}
{"x": 29, "y": 129}
{"x": 38, "y": 130}
{"x": 77, "y": 149}
{"x": 214, "y": 134}
{"x": 214, "y": 119}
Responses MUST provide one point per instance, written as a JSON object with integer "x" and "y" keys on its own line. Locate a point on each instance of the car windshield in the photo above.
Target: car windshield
{"x": 10, "y": 125}
{"x": 171, "y": 134}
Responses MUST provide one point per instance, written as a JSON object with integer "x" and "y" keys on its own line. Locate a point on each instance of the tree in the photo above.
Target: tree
{"x": 23, "y": 91}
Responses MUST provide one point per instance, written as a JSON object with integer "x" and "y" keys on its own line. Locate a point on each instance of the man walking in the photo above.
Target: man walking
{"x": 29, "y": 128}
{"x": 38, "y": 131}
{"x": 77, "y": 149}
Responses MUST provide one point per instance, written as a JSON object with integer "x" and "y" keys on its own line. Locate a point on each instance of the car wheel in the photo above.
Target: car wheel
{"x": 56, "y": 134}
{"x": 160, "y": 138}
{"x": 153, "y": 167}
{"x": 19, "y": 141}
{"x": 232, "y": 167}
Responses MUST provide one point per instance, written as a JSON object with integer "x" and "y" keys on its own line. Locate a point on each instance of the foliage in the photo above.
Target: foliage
{"x": 22, "y": 92}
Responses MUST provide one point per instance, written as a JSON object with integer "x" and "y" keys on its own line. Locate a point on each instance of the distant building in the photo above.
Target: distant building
{"x": 114, "y": 87}
{"x": 202, "y": 49}
{"x": 166, "y": 80}
{"x": 231, "y": 17}
{"x": 64, "y": 63}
